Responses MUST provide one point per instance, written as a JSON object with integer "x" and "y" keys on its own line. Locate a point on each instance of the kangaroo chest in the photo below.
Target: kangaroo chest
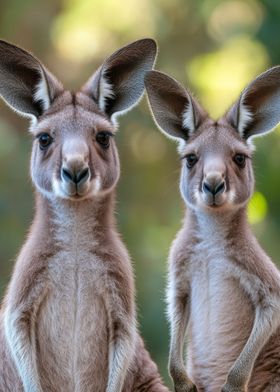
{"x": 78, "y": 270}
{"x": 77, "y": 274}
{"x": 221, "y": 318}
{"x": 73, "y": 328}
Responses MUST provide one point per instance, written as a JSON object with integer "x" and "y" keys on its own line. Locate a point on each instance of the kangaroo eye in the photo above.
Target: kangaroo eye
{"x": 103, "y": 138}
{"x": 240, "y": 160}
{"x": 191, "y": 160}
{"x": 44, "y": 140}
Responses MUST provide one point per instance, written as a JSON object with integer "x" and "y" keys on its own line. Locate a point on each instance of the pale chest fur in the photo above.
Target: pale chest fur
{"x": 73, "y": 323}
{"x": 221, "y": 314}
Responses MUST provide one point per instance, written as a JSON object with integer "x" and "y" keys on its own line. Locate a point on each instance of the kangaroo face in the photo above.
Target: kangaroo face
{"x": 74, "y": 154}
{"x": 217, "y": 173}
{"x": 216, "y": 169}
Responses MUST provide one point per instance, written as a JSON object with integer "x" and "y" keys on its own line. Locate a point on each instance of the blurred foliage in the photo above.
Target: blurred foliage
{"x": 215, "y": 47}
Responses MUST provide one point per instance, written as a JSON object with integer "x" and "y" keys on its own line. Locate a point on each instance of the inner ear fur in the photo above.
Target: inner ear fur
{"x": 118, "y": 84}
{"x": 25, "y": 83}
{"x": 257, "y": 110}
{"x": 175, "y": 111}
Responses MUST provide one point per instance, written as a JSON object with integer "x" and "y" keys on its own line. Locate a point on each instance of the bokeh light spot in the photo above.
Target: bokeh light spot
{"x": 89, "y": 28}
{"x": 257, "y": 208}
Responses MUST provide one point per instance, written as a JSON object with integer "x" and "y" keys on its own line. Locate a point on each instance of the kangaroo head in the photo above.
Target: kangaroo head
{"x": 217, "y": 172}
{"x": 74, "y": 155}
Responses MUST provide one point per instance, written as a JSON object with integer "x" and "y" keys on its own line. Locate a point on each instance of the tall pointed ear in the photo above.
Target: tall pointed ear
{"x": 118, "y": 84}
{"x": 257, "y": 111}
{"x": 175, "y": 111}
{"x": 25, "y": 84}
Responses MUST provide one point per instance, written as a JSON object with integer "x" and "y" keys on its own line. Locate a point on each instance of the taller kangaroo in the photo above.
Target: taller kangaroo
{"x": 224, "y": 291}
{"x": 68, "y": 319}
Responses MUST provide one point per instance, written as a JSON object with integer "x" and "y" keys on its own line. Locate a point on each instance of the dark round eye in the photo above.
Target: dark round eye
{"x": 191, "y": 160}
{"x": 103, "y": 138}
{"x": 240, "y": 159}
{"x": 44, "y": 140}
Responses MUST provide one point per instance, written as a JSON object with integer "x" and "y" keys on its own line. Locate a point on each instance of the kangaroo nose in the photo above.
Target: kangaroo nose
{"x": 213, "y": 186}
{"x": 77, "y": 176}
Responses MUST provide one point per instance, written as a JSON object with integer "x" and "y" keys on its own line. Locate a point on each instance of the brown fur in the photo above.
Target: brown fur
{"x": 52, "y": 351}
{"x": 223, "y": 290}
{"x": 68, "y": 320}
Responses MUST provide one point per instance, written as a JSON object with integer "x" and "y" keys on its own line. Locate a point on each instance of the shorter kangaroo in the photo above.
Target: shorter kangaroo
{"x": 223, "y": 289}
{"x": 68, "y": 319}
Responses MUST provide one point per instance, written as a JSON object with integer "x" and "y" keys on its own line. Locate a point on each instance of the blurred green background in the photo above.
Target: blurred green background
{"x": 215, "y": 48}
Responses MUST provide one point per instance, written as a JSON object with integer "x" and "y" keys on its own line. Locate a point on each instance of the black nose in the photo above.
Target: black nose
{"x": 214, "y": 188}
{"x": 75, "y": 176}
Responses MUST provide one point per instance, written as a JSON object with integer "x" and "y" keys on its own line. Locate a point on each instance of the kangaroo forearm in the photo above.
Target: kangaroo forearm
{"x": 178, "y": 331}
{"x": 266, "y": 321}
{"x": 179, "y": 318}
{"x": 20, "y": 342}
{"x": 121, "y": 356}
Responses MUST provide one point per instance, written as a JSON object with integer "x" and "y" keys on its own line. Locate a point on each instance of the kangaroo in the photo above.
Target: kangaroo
{"x": 68, "y": 319}
{"x": 223, "y": 290}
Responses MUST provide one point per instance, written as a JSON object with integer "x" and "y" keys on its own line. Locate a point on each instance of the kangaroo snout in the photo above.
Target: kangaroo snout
{"x": 75, "y": 175}
{"x": 75, "y": 170}
{"x": 214, "y": 184}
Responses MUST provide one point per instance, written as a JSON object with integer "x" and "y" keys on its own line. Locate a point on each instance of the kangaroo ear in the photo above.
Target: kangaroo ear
{"x": 118, "y": 84}
{"x": 175, "y": 111}
{"x": 258, "y": 109}
{"x": 25, "y": 84}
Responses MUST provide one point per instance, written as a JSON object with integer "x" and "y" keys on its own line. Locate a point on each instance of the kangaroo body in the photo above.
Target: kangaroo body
{"x": 80, "y": 259}
{"x": 217, "y": 265}
{"x": 223, "y": 290}
{"x": 68, "y": 320}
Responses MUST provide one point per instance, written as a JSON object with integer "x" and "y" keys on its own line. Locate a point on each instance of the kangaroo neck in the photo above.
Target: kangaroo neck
{"x": 74, "y": 221}
{"x": 215, "y": 226}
